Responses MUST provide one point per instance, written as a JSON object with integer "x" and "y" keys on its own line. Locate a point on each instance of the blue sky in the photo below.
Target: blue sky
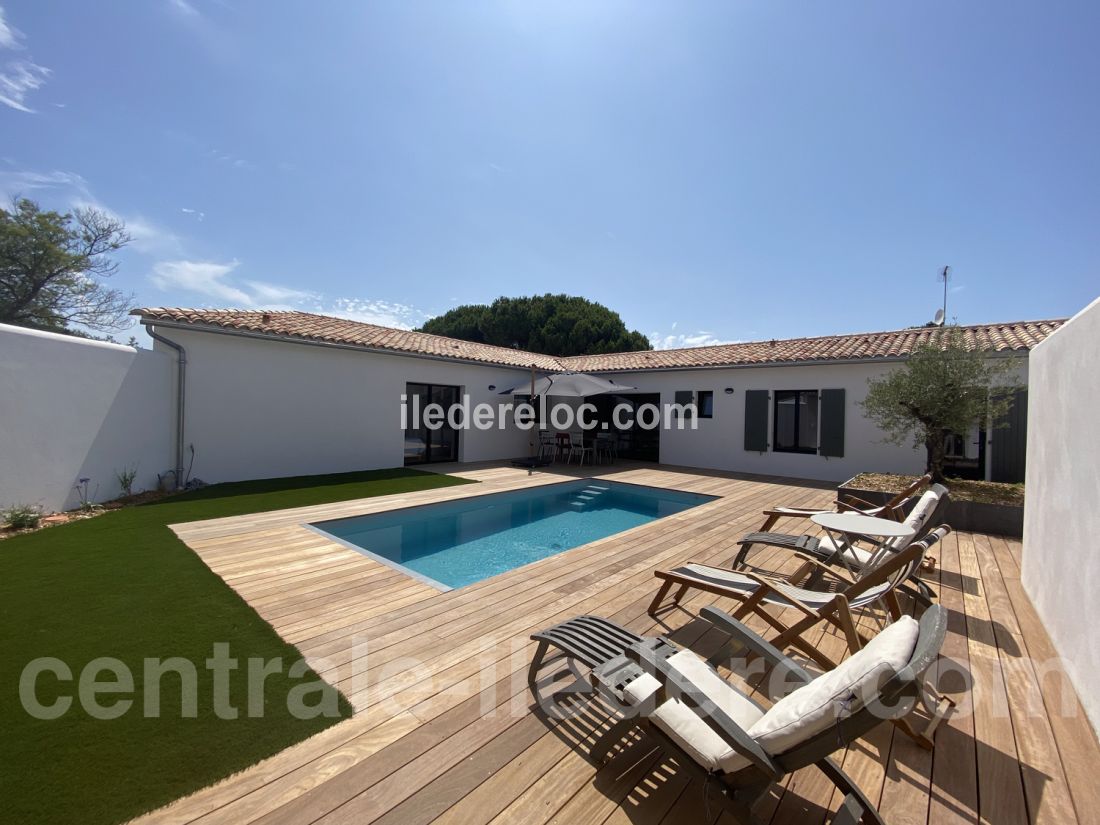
{"x": 711, "y": 170}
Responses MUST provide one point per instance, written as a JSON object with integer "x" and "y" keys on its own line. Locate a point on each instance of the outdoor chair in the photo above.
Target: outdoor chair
{"x": 547, "y": 446}
{"x": 563, "y": 443}
{"x": 606, "y": 447}
{"x": 722, "y": 734}
{"x": 576, "y": 447}
{"x": 849, "y": 503}
{"x": 893, "y": 509}
{"x": 927, "y": 511}
{"x": 878, "y": 585}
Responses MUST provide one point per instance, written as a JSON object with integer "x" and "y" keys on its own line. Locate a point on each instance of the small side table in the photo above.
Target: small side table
{"x": 845, "y": 528}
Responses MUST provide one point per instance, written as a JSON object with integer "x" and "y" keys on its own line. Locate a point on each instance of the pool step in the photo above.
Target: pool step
{"x": 586, "y": 496}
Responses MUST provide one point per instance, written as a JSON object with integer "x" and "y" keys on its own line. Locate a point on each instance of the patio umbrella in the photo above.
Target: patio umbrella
{"x": 569, "y": 384}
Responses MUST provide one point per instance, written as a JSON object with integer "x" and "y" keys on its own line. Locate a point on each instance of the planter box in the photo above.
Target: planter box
{"x": 969, "y": 516}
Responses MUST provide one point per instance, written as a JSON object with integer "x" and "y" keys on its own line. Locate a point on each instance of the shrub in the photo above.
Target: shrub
{"x": 23, "y": 516}
{"x": 126, "y": 480}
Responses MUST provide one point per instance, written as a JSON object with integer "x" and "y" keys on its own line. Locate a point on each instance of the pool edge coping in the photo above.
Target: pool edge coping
{"x": 443, "y": 588}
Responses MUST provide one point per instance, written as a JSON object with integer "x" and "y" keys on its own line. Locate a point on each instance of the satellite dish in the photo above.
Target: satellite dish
{"x": 938, "y": 320}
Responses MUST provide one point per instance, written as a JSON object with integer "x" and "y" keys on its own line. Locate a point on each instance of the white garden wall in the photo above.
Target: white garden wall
{"x": 72, "y": 408}
{"x": 1061, "y": 555}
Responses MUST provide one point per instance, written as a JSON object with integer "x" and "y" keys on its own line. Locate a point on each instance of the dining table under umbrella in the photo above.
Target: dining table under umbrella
{"x": 563, "y": 385}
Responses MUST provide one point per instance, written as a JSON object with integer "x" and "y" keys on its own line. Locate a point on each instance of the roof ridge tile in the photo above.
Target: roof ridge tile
{"x": 996, "y": 337}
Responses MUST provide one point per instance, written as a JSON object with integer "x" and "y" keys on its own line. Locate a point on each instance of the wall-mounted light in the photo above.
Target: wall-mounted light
{"x": 729, "y": 390}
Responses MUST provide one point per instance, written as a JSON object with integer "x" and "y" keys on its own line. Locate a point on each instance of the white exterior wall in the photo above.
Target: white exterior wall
{"x": 718, "y": 442}
{"x": 1061, "y": 565}
{"x": 260, "y": 408}
{"x": 72, "y": 408}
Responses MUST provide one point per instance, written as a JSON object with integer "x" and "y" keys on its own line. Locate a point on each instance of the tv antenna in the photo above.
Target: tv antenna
{"x": 941, "y": 314}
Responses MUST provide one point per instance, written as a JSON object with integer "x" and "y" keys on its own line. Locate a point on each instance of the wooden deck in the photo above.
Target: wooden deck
{"x": 444, "y": 729}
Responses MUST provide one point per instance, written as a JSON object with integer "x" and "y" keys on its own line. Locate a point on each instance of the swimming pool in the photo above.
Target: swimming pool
{"x": 455, "y": 543}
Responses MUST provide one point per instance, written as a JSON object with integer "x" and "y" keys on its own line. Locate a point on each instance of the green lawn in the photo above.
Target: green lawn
{"x": 122, "y": 585}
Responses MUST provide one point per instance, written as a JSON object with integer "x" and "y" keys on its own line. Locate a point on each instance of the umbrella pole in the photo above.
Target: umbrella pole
{"x": 534, "y": 428}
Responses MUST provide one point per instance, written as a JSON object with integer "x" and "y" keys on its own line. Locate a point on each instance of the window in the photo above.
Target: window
{"x": 705, "y": 403}
{"x": 795, "y": 421}
{"x": 525, "y": 398}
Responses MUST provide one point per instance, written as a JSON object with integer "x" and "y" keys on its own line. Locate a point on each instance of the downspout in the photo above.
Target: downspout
{"x": 181, "y": 375}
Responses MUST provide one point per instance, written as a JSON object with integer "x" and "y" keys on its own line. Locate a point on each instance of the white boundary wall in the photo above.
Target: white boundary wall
{"x": 1061, "y": 556}
{"x": 71, "y": 408}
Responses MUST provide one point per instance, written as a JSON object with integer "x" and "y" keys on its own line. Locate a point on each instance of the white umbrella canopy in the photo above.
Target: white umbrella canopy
{"x": 570, "y": 385}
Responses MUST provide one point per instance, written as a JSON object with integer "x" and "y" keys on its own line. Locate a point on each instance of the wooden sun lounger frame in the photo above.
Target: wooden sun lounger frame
{"x": 837, "y": 611}
{"x": 742, "y": 788}
{"x": 893, "y": 509}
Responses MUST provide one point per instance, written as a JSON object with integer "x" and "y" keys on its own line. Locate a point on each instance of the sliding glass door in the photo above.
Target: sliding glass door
{"x": 423, "y": 445}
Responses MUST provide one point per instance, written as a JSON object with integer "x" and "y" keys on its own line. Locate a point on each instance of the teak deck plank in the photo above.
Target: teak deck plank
{"x": 423, "y": 748}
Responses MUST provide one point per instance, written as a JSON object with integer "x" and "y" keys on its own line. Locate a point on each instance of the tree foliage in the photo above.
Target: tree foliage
{"x": 550, "y": 324}
{"x": 52, "y": 268}
{"x": 942, "y": 388}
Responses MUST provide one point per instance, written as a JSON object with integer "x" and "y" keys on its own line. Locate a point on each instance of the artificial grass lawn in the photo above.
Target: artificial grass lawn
{"x": 122, "y": 585}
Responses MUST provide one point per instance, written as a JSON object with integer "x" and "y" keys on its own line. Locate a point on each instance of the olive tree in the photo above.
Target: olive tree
{"x": 944, "y": 387}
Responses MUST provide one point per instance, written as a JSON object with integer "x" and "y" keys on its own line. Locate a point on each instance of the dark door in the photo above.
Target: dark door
{"x": 1010, "y": 442}
{"x": 964, "y": 455}
{"x": 633, "y": 441}
{"x": 422, "y": 444}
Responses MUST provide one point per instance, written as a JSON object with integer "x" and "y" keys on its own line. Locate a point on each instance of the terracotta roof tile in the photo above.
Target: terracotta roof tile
{"x": 330, "y": 330}
{"x": 1014, "y": 336}
{"x": 1018, "y": 335}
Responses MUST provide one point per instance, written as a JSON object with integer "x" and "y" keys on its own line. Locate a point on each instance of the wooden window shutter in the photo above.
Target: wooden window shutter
{"x": 831, "y": 439}
{"x": 756, "y": 420}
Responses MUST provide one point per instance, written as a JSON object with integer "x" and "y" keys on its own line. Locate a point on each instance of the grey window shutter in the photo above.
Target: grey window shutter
{"x": 831, "y": 437}
{"x": 756, "y": 420}
{"x": 685, "y": 397}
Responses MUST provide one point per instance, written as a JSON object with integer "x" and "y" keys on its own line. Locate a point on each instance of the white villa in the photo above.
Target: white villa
{"x": 240, "y": 394}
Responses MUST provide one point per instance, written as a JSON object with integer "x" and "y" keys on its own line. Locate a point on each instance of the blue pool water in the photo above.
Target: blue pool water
{"x": 455, "y": 543}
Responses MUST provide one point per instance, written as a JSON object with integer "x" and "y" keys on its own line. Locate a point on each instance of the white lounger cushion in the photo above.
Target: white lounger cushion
{"x": 792, "y": 720}
{"x": 815, "y": 707}
{"x": 684, "y": 725}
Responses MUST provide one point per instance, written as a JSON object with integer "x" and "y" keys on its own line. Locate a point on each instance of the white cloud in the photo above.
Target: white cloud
{"x": 229, "y": 159}
{"x": 273, "y": 296}
{"x": 73, "y": 192}
{"x": 200, "y": 215}
{"x": 19, "y": 77}
{"x": 214, "y": 281}
{"x": 681, "y": 340}
{"x": 15, "y": 182}
{"x": 17, "y": 80}
{"x": 150, "y": 237}
{"x": 207, "y": 278}
{"x": 9, "y": 35}
{"x": 184, "y": 8}
{"x": 382, "y": 313}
